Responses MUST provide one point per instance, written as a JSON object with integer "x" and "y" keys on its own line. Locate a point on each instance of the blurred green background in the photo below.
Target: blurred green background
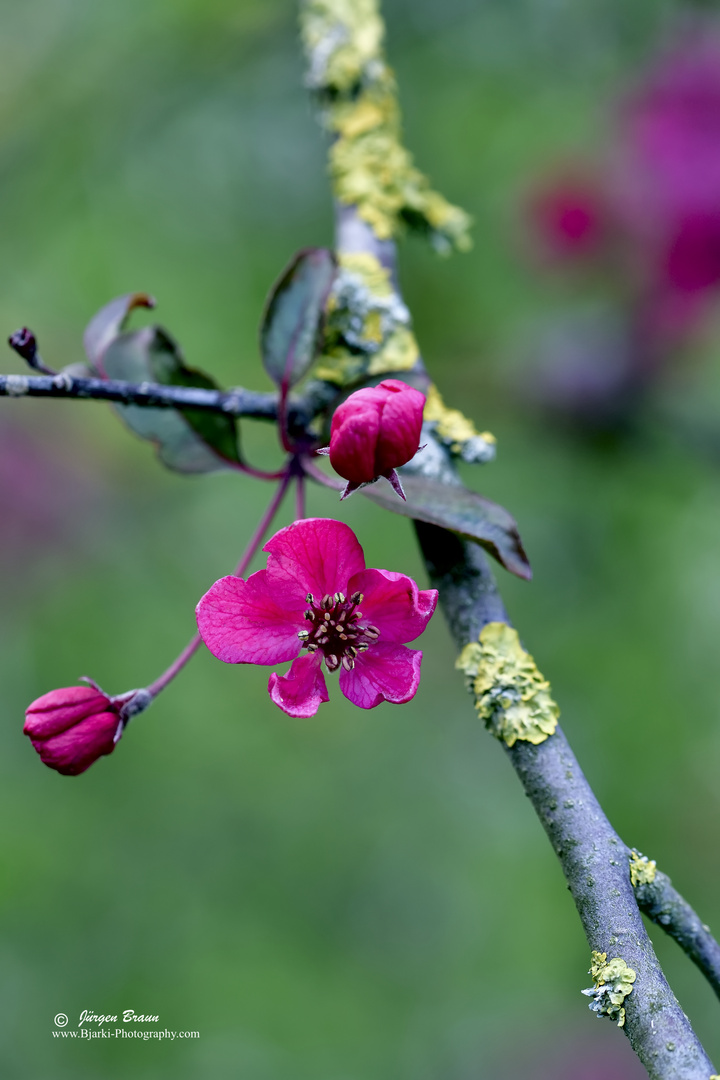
{"x": 361, "y": 896}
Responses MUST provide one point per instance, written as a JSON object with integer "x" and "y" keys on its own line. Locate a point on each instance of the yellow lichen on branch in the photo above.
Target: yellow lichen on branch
{"x": 455, "y": 430}
{"x": 343, "y": 39}
{"x": 511, "y": 695}
{"x": 367, "y": 330}
{"x": 368, "y": 334}
{"x": 642, "y": 869}
{"x": 369, "y": 165}
{"x": 613, "y": 981}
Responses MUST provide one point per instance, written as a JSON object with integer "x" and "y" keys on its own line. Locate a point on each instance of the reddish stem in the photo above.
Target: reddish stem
{"x": 282, "y": 416}
{"x": 254, "y": 543}
{"x": 259, "y": 474}
{"x": 319, "y": 476}
{"x": 177, "y": 665}
{"x": 300, "y": 497}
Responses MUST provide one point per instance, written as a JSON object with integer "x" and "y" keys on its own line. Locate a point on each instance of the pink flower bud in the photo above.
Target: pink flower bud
{"x": 375, "y": 431}
{"x": 72, "y": 727}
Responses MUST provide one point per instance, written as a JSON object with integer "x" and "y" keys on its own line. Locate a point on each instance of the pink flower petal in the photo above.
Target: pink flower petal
{"x": 315, "y": 555}
{"x": 394, "y": 604}
{"x": 73, "y": 751}
{"x": 354, "y": 437}
{"x": 400, "y": 426}
{"x": 250, "y": 622}
{"x": 383, "y": 673}
{"x": 302, "y": 690}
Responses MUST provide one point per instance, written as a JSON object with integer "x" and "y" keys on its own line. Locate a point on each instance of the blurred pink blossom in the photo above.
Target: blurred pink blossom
{"x": 645, "y": 218}
{"x": 568, "y": 218}
{"x": 655, "y": 193}
{"x": 665, "y": 184}
{"x": 48, "y": 490}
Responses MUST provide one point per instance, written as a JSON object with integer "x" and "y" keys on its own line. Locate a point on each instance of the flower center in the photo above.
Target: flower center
{"x": 335, "y": 629}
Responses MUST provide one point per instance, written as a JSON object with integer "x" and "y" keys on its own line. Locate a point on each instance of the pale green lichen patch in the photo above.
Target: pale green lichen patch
{"x": 511, "y": 696}
{"x": 343, "y": 40}
{"x": 367, "y": 329}
{"x": 613, "y": 981}
{"x": 456, "y": 432}
{"x": 370, "y": 167}
{"x": 642, "y": 869}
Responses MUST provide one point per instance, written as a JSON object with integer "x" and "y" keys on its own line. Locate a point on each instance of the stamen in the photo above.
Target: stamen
{"x": 336, "y": 631}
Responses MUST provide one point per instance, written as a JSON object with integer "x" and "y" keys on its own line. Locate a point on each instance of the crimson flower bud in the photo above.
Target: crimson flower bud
{"x": 375, "y": 431}
{"x": 72, "y": 727}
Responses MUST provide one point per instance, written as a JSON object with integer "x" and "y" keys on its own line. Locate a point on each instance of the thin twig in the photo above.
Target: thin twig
{"x": 665, "y": 906}
{"x": 315, "y": 400}
{"x": 237, "y": 402}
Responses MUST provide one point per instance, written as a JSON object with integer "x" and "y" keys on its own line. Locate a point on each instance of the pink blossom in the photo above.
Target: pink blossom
{"x": 569, "y": 218}
{"x": 72, "y": 727}
{"x": 671, "y": 131}
{"x": 306, "y": 607}
{"x": 375, "y": 431}
{"x": 666, "y": 181}
{"x": 651, "y": 208}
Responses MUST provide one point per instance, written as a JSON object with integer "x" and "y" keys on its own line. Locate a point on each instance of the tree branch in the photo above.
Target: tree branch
{"x": 237, "y": 402}
{"x": 471, "y": 599}
{"x": 593, "y": 857}
{"x": 348, "y": 68}
{"x": 257, "y": 405}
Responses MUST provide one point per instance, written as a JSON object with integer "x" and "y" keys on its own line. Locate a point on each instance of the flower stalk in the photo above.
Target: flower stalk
{"x": 253, "y": 544}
